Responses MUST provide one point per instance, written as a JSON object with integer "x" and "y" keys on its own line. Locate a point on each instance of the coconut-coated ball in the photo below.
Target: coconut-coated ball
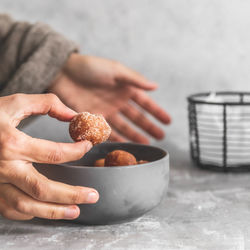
{"x": 91, "y": 127}
{"x": 142, "y": 162}
{"x": 100, "y": 162}
{"x": 119, "y": 158}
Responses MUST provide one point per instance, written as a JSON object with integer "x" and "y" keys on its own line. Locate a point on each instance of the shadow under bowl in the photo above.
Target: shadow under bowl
{"x": 126, "y": 192}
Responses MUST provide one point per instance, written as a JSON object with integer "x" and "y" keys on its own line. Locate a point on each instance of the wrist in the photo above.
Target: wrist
{"x": 55, "y": 82}
{"x": 68, "y": 65}
{"x": 71, "y": 63}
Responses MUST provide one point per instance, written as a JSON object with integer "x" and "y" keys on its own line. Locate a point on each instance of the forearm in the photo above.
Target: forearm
{"x": 31, "y": 55}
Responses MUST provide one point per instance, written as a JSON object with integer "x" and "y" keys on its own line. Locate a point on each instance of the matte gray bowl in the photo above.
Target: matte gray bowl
{"x": 126, "y": 192}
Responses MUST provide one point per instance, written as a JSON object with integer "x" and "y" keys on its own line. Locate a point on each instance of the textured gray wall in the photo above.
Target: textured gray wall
{"x": 185, "y": 45}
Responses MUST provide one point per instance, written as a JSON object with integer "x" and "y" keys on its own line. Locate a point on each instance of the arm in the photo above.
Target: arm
{"x": 31, "y": 56}
{"x": 35, "y": 58}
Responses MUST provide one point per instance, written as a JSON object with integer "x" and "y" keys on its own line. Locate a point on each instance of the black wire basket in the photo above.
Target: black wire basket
{"x": 219, "y": 130}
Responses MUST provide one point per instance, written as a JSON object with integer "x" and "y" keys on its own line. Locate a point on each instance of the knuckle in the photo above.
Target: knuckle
{"x": 10, "y": 215}
{"x": 52, "y": 214}
{"x": 17, "y": 97}
{"x": 19, "y": 205}
{"x": 9, "y": 142}
{"x": 52, "y": 97}
{"x": 148, "y": 127}
{"x": 140, "y": 118}
{"x": 76, "y": 197}
{"x": 38, "y": 190}
{"x": 7, "y": 173}
{"x": 55, "y": 155}
{"x": 124, "y": 128}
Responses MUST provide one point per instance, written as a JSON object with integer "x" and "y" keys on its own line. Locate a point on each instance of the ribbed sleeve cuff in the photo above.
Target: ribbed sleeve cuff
{"x": 39, "y": 69}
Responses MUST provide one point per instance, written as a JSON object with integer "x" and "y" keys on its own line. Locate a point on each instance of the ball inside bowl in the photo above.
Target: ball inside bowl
{"x": 126, "y": 192}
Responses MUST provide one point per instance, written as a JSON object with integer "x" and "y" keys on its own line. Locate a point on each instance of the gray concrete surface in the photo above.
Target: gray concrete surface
{"x": 187, "y": 47}
{"x": 203, "y": 210}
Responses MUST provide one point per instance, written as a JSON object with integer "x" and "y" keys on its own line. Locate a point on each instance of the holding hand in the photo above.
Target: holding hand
{"x": 24, "y": 192}
{"x": 103, "y": 86}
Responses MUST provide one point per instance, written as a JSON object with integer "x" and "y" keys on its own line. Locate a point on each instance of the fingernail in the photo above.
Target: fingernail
{"x": 92, "y": 197}
{"x": 71, "y": 110}
{"x": 71, "y": 213}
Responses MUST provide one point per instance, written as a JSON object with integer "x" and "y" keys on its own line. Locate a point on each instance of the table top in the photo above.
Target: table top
{"x": 202, "y": 210}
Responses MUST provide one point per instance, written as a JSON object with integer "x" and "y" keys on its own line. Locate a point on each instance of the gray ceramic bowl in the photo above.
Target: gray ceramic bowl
{"x": 126, "y": 192}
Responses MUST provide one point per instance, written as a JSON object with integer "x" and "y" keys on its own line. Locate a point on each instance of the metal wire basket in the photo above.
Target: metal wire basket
{"x": 219, "y": 129}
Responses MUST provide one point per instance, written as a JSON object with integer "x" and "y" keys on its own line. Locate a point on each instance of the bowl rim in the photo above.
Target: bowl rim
{"x": 165, "y": 152}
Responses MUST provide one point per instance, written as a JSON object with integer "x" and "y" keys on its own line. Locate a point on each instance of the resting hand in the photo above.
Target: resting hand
{"x": 98, "y": 85}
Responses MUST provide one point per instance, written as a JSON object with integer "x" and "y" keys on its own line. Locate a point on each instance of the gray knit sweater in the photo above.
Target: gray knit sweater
{"x": 31, "y": 55}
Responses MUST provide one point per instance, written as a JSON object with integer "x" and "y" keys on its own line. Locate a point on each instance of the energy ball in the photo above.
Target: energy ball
{"x": 100, "y": 162}
{"x": 119, "y": 158}
{"x": 142, "y": 162}
{"x": 91, "y": 127}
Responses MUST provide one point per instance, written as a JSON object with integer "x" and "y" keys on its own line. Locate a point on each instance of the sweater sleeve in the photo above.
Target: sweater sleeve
{"x": 31, "y": 55}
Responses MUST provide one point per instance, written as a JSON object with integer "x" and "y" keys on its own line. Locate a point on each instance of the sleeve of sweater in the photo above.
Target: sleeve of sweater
{"x": 31, "y": 55}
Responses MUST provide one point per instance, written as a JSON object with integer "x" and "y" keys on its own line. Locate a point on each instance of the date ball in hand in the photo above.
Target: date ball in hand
{"x": 91, "y": 127}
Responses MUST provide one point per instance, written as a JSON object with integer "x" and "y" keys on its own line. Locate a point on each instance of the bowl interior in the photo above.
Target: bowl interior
{"x": 141, "y": 152}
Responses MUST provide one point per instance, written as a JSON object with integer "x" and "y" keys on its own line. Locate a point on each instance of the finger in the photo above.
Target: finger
{"x": 44, "y": 151}
{"x": 17, "y": 145}
{"x": 116, "y": 137}
{"x": 9, "y": 213}
{"x": 149, "y": 105}
{"x": 41, "y": 188}
{"x": 24, "y": 204}
{"x": 126, "y": 130}
{"x": 138, "y": 118}
{"x": 25, "y": 105}
{"x": 135, "y": 79}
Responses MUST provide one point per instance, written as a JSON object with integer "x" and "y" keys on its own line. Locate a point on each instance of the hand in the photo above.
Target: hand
{"x": 98, "y": 85}
{"x": 24, "y": 192}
